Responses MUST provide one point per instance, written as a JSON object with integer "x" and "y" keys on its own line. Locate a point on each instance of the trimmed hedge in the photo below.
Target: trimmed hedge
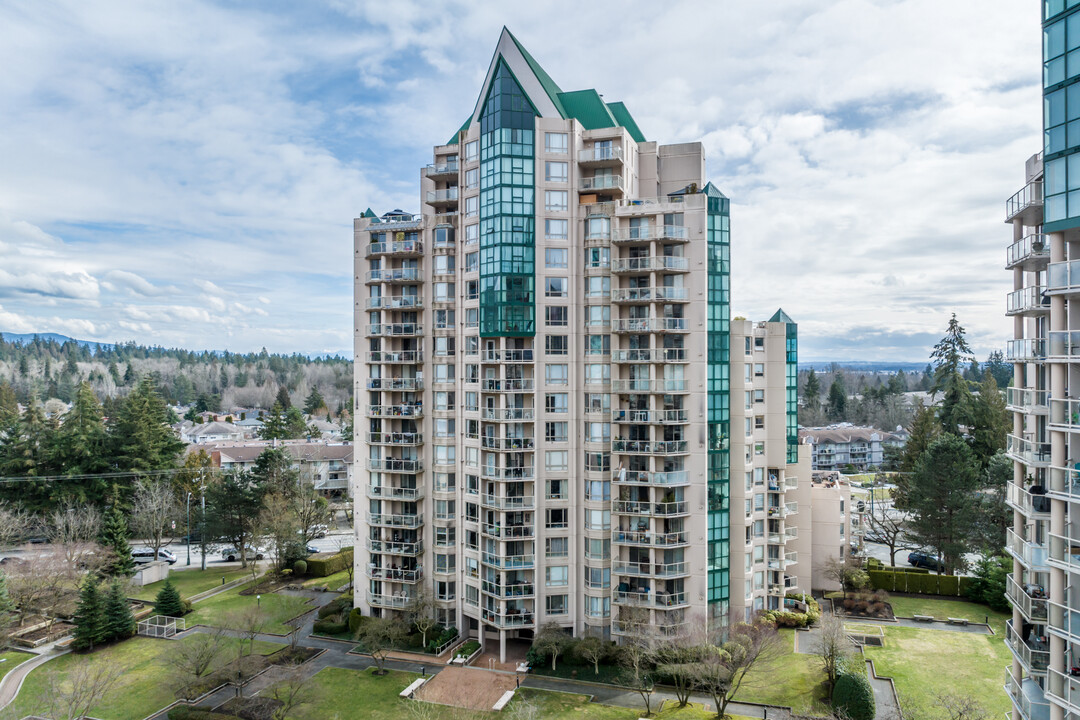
{"x": 854, "y": 697}
{"x": 325, "y": 564}
{"x": 356, "y": 620}
{"x": 186, "y": 712}
{"x": 919, "y": 583}
{"x": 335, "y": 607}
{"x": 330, "y": 627}
{"x": 793, "y": 619}
{"x": 467, "y": 649}
{"x": 299, "y": 567}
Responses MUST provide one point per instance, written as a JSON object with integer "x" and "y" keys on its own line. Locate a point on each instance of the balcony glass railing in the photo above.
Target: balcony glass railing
{"x": 657, "y": 447}
{"x": 654, "y": 417}
{"x": 1025, "y": 400}
{"x": 600, "y": 154}
{"x": 406, "y": 356}
{"x": 1033, "y": 555}
{"x": 391, "y": 601}
{"x": 507, "y": 531}
{"x": 642, "y": 477}
{"x": 1030, "y": 195}
{"x": 1033, "y": 608}
{"x": 524, "y": 472}
{"x": 507, "y": 414}
{"x": 1029, "y": 299}
{"x": 395, "y": 411}
{"x": 517, "y": 385}
{"x": 401, "y": 384}
{"x": 448, "y": 195}
{"x": 1065, "y": 413}
{"x": 394, "y": 302}
{"x": 644, "y": 325}
{"x": 602, "y": 182}
{"x": 512, "y": 356}
{"x": 444, "y": 168}
{"x": 645, "y": 507}
{"x": 508, "y": 619}
{"x": 1062, "y": 687}
{"x": 395, "y": 330}
{"x": 1029, "y": 350}
{"x": 1063, "y": 276}
{"x": 1026, "y": 451}
{"x": 1034, "y": 653}
{"x": 385, "y": 547}
{"x": 649, "y": 294}
{"x": 508, "y": 562}
{"x": 405, "y": 247}
{"x": 394, "y": 574}
{"x": 519, "y": 502}
{"x": 648, "y": 386}
{"x": 1064, "y": 343}
{"x": 395, "y": 465}
{"x": 650, "y": 232}
{"x": 1030, "y": 247}
{"x": 401, "y": 521}
{"x": 395, "y": 438}
{"x": 650, "y": 264}
{"x": 1065, "y": 482}
{"x": 1030, "y": 499}
{"x": 664, "y": 355}
{"x": 515, "y": 590}
{"x": 395, "y": 275}
{"x": 648, "y": 569}
{"x": 660, "y": 599}
{"x": 383, "y": 492}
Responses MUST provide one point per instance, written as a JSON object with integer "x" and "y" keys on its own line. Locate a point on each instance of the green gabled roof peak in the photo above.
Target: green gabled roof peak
{"x": 550, "y": 86}
{"x": 781, "y": 316}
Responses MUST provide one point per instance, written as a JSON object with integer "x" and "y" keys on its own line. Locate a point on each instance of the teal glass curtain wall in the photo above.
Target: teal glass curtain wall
{"x": 792, "y": 389}
{"x": 719, "y": 420}
{"x": 1061, "y": 114}
{"x": 507, "y": 209}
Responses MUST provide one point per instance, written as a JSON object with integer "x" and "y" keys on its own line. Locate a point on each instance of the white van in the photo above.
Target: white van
{"x": 145, "y": 555}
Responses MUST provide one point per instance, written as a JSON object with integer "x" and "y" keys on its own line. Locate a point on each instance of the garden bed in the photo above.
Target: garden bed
{"x": 252, "y": 708}
{"x": 41, "y": 635}
{"x": 268, "y": 585}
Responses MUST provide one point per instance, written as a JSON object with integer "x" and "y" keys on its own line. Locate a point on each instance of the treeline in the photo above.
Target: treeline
{"x": 46, "y": 369}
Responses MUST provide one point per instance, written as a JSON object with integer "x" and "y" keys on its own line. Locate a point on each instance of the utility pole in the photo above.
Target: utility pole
{"x": 189, "y": 529}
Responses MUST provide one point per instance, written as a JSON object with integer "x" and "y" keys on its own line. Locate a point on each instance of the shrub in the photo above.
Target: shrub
{"x": 299, "y": 567}
{"x": 877, "y": 609}
{"x": 356, "y": 620}
{"x": 849, "y": 603}
{"x": 330, "y": 626}
{"x": 467, "y": 649}
{"x": 415, "y": 641}
{"x": 854, "y": 697}
{"x": 336, "y": 607}
{"x": 325, "y": 564}
{"x": 881, "y": 596}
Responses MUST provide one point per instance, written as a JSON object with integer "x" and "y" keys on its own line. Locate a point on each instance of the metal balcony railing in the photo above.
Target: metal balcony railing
{"x": 1029, "y": 248}
{"x": 1029, "y": 196}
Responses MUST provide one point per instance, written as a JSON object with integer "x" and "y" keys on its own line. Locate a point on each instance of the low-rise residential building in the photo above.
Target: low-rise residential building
{"x": 837, "y": 446}
{"x": 837, "y": 527}
{"x": 211, "y": 432}
{"x": 327, "y": 464}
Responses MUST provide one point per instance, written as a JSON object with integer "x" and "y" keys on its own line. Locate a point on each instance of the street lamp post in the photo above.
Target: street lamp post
{"x": 189, "y": 529}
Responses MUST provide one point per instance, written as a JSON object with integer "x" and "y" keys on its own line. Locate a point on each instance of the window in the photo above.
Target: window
{"x": 556, "y": 229}
{"x": 472, "y": 290}
{"x": 597, "y": 228}
{"x": 759, "y": 396}
{"x": 472, "y": 234}
{"x": 759, "y": 343}
{"x": 472, "y": 206}
{"x": 598, "y": 607}
{"x": 556, "y": 489}
{"x": 553, "y": 258}
{"x": 557, "y": 403}
{"x": 555, "y": 142}
{"x": 599, "y": 490}
{"x": 556, "y": 171}
{"x": 556, "y": 316}
{"x": 472, "y": 262}
{"x": 444, "y": 427}
{"x": 472, "y": 179}
{"x": 444, "y": 265}
{"x": 599, "y": 258}
{"x": 445, "y": 454}
{"x": 557, "y": 604}
{"x": 444, "y": 400}
{"x": 554, "y": 287}
{"x": 444, "y": 292}
{"x": 472, "y": 317}
{"x": 557, "y": 518}
{"x": 598, "y": 315}
{"x": 759, "y": 369}
{"x": 599, "y": 432}
{"x": 472, "y": 512}
{"x": 445, "y": 563}
{"x": 472, "y": 593}
{"x": 472, "y": 401}
{"x": 556, "y": 432}
{"x": 555, "y": 200}
{"x": 472, "y": 151}
{"x": 558, "y": 576}
{"x": 597, "y": 344}
{"x": 445, "y": 482}
{"x": 556, "y": 345}
{"x": 597, "y": 402}
{"x": 557, "y": 547}
{"x": 597, "y": 578}
{"x": 443, "y": 373}
{"x": 445, "y": 590}
{"x": 597, "y": 462}
{"x": 598, "y": 287}
{"x": 597, "y": 373}
{"x": 759, "y": 422}
{"x": 556, "y": 460}
{"x": 472, "y": 457}
{"x": 445, "y": 536}
{"x": 597, "y": 519}
{"x": 556, "y": 374}
{"x": 444, "y": 346}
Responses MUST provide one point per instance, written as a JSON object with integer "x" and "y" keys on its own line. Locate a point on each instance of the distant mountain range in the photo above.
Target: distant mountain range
{"x": 23, "y": 338}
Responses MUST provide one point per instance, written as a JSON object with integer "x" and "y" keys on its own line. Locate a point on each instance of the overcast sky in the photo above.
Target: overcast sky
{"x": 186, "y": 173}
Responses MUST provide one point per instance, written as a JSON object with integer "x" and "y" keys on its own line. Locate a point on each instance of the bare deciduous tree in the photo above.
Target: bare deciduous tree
{"x": 71, "y": 696}
{"x": 847, "y": 573}
{"x": 422, "y": 613}
{"x": 833, "y": 646}
{"x": 379, "y": 636}
{"x": 292, "y": 692}
{"x": 592, "y": 649}
{"x": 42, "y": 583}
{"x": 552, "y": 641}
{"x": 153, "y": 509}
{"x": 193, "y": 658}
{"x": 677, "y": 655}
{"x": 961, "y": 707}
{"x": 74, "y": 530}
{"x": 15, "y": 524}
{"x": 277, "y": 522}
{"x": 350, "y": 567}
{"x": 636, "y": 659}
{"x": 249, "y": 623}
{"x": 725, "y": 665}
{"x": 889, "y": 526}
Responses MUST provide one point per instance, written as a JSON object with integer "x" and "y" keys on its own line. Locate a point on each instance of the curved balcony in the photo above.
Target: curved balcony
{"x": 1032, "y": 555}
{"x": 399, "y": 521}
{"x": 1029, "y": 452}
{"x": 509, "y": 532}
{"x": 385, "y": 547}
{"x": 649, "y": 386}
{"x": 1035, "y": 609}
{"x": 508, "y": 562}
{"x": 1028, "y": 301}
{"x": 641, "y": 477}
{"x": 653, "y": 355}
{"x": 497, "y": 502}
{"x": 395, "y": 275}
{"x": 650, "y": 417}
{"x": 442, "y": 198}
{"x": 385, "y": 492}
{"x": 1027, "y": 401}
{"x": 395, "y": 438}
{"x": 1033, "y": 654}
{"x": 395, "y": 330}
{"x": 508, "y": 619}
{"x": 394, "y": 574}
{"x": 648, "y": 569}
{"x": 395, "y": 384}
{"x": 1031, "y": 349}
{"x": 394, "y": 302}
{"x": 394, "y": 465}
{"x": 653, "y": 263}
{"x": 517, "y": 385}
{"x": 646, "y": 325}
{"x": 1031, "y": 252}
{"x": 499, "y": 590}
{"x": 649, "y": 294}
{"x": 405, "y": 357}
{"x": 650, "y": 447}
{"x": 405, "y": 248}
{"x": 400, "y": 602}
{"x": 507, "y": 414}
{"x": 494, "y": 443}
{"x": 1026, "y": 204}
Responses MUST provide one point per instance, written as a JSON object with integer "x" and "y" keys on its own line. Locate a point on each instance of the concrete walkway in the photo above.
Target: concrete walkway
{"x": 12, "y": 682}
{"x": 885, "y": 701}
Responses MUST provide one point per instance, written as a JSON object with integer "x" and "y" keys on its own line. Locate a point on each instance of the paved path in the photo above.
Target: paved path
{"x": 885, "y": 702}
{"x": 9, "y": 686}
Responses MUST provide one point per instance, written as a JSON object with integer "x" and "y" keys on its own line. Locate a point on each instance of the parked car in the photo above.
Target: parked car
{"x": 319, "y": 531}
{"x": 145, "y": 555}
{"x": 311, "y": 550}
{"x": 232, "y": 554}
{"x": 923, "y": 560}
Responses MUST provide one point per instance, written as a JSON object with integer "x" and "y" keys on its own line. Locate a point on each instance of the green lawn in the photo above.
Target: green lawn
{"x": 943, "y": 608}
{"x": 191, "y": 582}
{"x": 278, "y": 608}
{"x": 11, "y": 660}
{"x": 794, "y": 680}
{"x": 144, "y": 684}
{"x": 331, "y": 581}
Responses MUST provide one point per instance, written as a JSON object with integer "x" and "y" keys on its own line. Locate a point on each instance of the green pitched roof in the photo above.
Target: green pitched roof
{"x": 781, "y": 316}
{"x": 712, "y": 191}
{"x": 369, "y": 213}
{"x": 550, "y": 87}
{"x": 626, "y": 120}
{"x": 587, "y": 108}
{"x": 464, "y": 126}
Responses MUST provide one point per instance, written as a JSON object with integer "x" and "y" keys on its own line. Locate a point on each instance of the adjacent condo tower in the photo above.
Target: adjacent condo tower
{"x": 544, "y": 369}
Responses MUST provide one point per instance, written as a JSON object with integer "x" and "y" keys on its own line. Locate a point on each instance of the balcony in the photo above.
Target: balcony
{"x": 1033, "y": 555}
{"x": 1028, "y": 301}
{"x": 649, "y": 630}
{"x": 506, "y": 356}
{"x": 1060, "y": 686}
{"x": 649, "y": 386}
{"x": 600, "y": 156}
{"x": 398, "y": 275}
{"x": 1032, "y": 608}
{"x": 1063, "y": 278}
{"x": 442, "y": 198}
{"x": 398, "y": 521}
{"x": 1033, "y": 654}
{"x": 511, "y": 503}
{"x": 645, "y": 507}
{"x": 1065, "y": 483}
{"x": 648, "y": 233}
{"x": 650, "y": 417}
{"x": 506, "y": 473}
{"x": 442, "y": 171}
{"x": 646, "y": 538}
{"x": 394, "y": 465}
{"x": 505, "y": 444}
{"x": 1027, "y": 401}
{"x": 647, "y": 447}
{"x": 406, "y": 248}
{"x": 395, "y": 411}
{"x": 1029, "y": 452}
{"x": 648, "y": 569}
{"x": 516, "y": 385}
{"x": 395, "y": 384}
{"x": 511, "y": 532}
{"x": 394, "y": 302}
{"x": 407, "y": 357}
{"x": 384, "y": 492}
{"x": 1031, "y": 252}
{"x": 1030, "y": 500}
{"x": 641, "y": 477}
{"x": 384, "y": 547}
{"x": 654, "y": 355}
{"x": 394, "y": 574}
{"x": 1064, "y": 553}
{"x": 658, "y": 599}
{"x": 608, "y": 184}
{"x": 518, "y": 590}
{"x": 504, "y": 414}
{"x": 1029, "y": 350}
{"x": 395, "y": 330}
{"x": 649, "y": 294}
{"x": 1026, "y": 204}
{"x": 395, "y": 438}
{"x": 645, "y": 325}
{"x": 508, "y": 562}
{"x": 509, "y": 619}
{"x": 399, "y": 602}
{"x": 650, "y": 263}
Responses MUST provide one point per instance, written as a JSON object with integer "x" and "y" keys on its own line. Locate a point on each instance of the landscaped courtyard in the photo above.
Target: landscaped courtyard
{"x": 192, "y": 582}
{"x": 278, "y": 609}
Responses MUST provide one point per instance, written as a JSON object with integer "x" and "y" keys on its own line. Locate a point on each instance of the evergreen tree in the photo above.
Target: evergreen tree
{"x": 274, "y": 426}
{"x": 114, "y": 537}
{"x": 837, "y": 404}
{"x": 314, "y": 402}
{"x": 114, "y": 373}
{"x": 923, "y": 430}
{"x": 130, "y": 378}
{"x": 949, "y": 355}
{"x": 1001, "y": 370}
{"x": 295, "y": 426}
{"x": 9, "y": 406}
{"x": 812, "y": 391}
{"x": 274, "y": 470}
{"x": 283, "y": 398}
{"x": 89, "y": 616}
{"x": 26, "y": 453}
{"x": 80, "y": 444}
{"x": 142, "y": 437}
{"x": 119, "y": 621}
{"x": 168, "y": 601}
{"x": 991, "y": 421}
